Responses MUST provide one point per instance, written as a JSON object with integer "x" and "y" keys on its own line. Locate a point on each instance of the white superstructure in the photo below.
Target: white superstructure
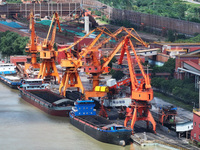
{"x": 7, "y": 68}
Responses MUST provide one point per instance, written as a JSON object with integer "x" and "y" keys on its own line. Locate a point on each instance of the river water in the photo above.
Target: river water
{"x": 25, "y": 127}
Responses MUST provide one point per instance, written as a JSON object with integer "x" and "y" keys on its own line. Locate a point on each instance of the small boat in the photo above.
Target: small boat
{"x": 7, "y": 68}
{"x": 11, "y": 81}
{"x": 83, "y": 116}
{"x": 36, "y": 93}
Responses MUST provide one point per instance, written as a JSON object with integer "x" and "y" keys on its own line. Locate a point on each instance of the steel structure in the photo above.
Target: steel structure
{"x": 48, "y": 53}
{"x": 71, "y": 77}
{"x": 167, "y": 115}
{"x": 141, "y": 91}
{"x": 33, "y": 47}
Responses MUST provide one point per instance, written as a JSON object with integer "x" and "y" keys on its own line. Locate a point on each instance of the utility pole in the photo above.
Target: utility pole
{"x": 199, "y": 94}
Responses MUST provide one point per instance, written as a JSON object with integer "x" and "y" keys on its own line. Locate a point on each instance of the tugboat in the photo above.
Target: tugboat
{"x": 83, "y": 116}
{"x": 36, "y": 93}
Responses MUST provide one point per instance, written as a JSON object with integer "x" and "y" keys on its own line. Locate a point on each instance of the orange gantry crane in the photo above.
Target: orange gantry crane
{"x": 71, "y": 77}
{"x": 141, "y": 90}
{"x": 33, "y": 47}
{"x": 48, "y": 53}
{"x": 96, "y": 68}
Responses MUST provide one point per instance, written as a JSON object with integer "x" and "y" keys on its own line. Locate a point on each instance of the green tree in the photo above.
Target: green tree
{"x": 168, "y": 66}
{"x": 156, "y": 82}
{"x": 168, "y": 8}
{"x": 113, "y": 60}
{"x": 117, "y": 74}
{"x": 171, "y": 36}
{"x": 12, "y": 43}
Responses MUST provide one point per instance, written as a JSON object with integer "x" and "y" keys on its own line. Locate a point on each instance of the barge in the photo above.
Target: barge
{"x": 11, "y": 81}
{"x": 83, "y": 116}
{"x": 35, "y": 92}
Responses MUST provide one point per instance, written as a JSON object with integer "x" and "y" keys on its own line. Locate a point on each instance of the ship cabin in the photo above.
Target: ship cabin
{"x": 84, "y": 107}
{"x": 7, "y": 68}
{"x": 33, "y": 84}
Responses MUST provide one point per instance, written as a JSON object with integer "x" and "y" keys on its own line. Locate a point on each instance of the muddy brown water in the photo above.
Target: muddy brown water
{"x": 25, "y": 127}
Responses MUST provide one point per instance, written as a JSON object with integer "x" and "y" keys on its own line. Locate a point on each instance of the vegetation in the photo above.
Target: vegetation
{"x": 117, "y": 74}
{"x": 12, "y": 43}
{"x": 13, "y": 1}
{"x": 113, "y": 60}
{"x": 174, "y": 8}
{"x": 172, "y": 100}
{"x": 195, "y": 39}
{"x": 168, "y": 67}
{"x": 183, "y": 90}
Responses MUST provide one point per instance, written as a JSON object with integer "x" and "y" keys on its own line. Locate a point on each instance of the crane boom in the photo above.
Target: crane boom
{"x": 33, "y": 47}
{"x": 107, "y": 60}
{"x": 146, "y": 77}
{"x": 49, "y": 44}
{"x": 48, "y": 54}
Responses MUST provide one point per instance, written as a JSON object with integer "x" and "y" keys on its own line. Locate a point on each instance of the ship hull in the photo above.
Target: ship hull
{"x": 44, "y": 105}
{"x": 118, "y": 138}
{"x": 9, "y": 83}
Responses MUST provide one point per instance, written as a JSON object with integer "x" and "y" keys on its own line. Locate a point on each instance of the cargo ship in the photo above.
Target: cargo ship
{"x": 11, "y": 81}
{"x": 36, "y": 93}
{"x": 83, "y": 116}
{"x": 7, "y": 68}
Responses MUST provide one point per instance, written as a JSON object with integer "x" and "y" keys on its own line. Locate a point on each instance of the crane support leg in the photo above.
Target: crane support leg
{"x": 79, "y": 83}
{"x": 147, "y": 124}
{"x": 66, "y": 84}
{"x": 134, "y": 118}
{"x": 40, "y": 72}
{"x": 139, "y": 111}
{"x": 62, "y": 83}
{"x": 151, "y": 119}
{"x": 48, "y": 65}
{"x": 103, "y": 112}
{"x": 70, "y": 79}
{"x": 43, "y": 70}
{"x": 48, "y": 68}
{"x": 55, "y": 72}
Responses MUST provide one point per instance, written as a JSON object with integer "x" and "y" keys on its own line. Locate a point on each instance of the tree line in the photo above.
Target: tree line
{"x": 184, "y": 90}
{"x": 174, "y": 8}
{"x": 12, "y": 43}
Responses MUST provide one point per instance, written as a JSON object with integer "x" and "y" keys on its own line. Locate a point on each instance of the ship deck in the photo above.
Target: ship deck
{"x": 46, "y": 95}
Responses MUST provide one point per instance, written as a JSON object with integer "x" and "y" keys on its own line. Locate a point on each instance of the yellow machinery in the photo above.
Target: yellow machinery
{"x": 48, "y": 53}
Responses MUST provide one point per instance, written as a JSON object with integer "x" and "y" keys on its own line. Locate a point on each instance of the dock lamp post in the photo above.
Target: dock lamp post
{"x": 194, "y": 105}
{"x": 148, "y": 69}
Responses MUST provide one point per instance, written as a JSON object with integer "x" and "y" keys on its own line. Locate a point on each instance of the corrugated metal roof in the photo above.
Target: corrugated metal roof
{"x": 197, "y": 112}
{"x": 192, "y": 64}
{"x": 184, "y": 126}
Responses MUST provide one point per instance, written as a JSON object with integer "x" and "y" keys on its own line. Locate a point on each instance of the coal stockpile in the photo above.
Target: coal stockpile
{"x": 46, "y": 95}
{"x": 96, "y": 120}
{"x": 74, "y": 95}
